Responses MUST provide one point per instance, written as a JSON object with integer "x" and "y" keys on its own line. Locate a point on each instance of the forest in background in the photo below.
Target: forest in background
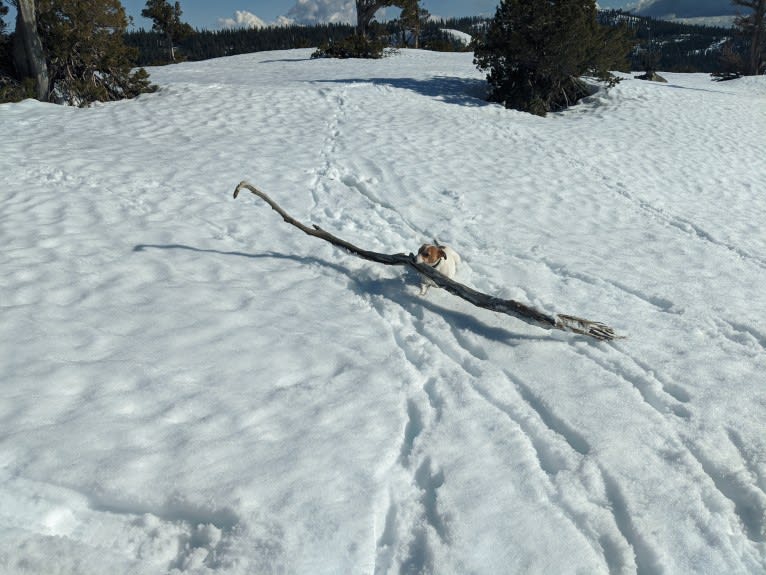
{"x": 677, "y": 47}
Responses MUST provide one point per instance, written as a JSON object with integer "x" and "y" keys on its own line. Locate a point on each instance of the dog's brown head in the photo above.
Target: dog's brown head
{"x": 430, "y": 254}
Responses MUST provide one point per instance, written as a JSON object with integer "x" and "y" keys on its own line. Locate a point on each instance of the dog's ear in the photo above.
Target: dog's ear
{"x": 442, "y": 253}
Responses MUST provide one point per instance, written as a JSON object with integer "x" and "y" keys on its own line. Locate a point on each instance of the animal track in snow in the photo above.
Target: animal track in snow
{"x": 645, "y": 383}
{"x": 751, "y": 458}
{"x": 564, "y": 456}
{"x": 413, "y": 428}
{"x": 575, "y": 440}
{"x": 646, "y": 560}
{"x": 742, "y": 334}
{"x": 748, "y": 500}
{"x": 563, "y": 270}
{"x": 429, "y": 482}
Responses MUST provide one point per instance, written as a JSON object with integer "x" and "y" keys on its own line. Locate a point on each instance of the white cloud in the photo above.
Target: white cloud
{"x": 320, "y": 11}
{"x": 245, "y": 19}
{"x": 303, "y": 12}
{"x": 720, "y": 21}
{"x": 332, "y": 11}
{"x": 642, "y": 5}
{"x": 242, "y": 19}
{"x": 284, "y": 21}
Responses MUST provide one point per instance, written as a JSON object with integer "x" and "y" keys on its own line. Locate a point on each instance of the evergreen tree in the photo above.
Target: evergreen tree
{"x": 412, "y": 19}
{"x": 753, "y": 26}
{"x": 537, "y": 50}
{"x": 87, "y": 57}
{"x": 730, "y": 64}
{"x": 167, "y": 21}
{"x": 3, "y": 13}
{"x": 359, "y": 46}
{"x": 8, "y": 84}
{"x": 366, "y": 9}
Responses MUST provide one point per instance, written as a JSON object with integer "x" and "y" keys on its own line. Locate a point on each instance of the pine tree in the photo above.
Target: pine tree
{"x": 753, "y": 26}
{"x": 3, "y": 13}
{"x": 366, "y": 9}
{"x": 730, "y": 64}
{"x": 359, "y": 45}
{"x": 167, "y": 21}
{"x": 9, "y": 86}
{"x": 87, "y": 58}
{"x": 537, "y": 50}
{"x": 413, "y": 17}
{"x": 5, "y": 49}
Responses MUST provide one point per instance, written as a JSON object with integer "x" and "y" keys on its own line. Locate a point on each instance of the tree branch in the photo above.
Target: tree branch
{"x": 513, "y": 308}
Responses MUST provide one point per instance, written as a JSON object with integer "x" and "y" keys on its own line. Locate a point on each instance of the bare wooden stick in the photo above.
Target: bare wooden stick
{"x": 513, "y": 308}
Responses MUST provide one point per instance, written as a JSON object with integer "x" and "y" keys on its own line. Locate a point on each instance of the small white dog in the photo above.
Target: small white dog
{"x": 443, "y": 258}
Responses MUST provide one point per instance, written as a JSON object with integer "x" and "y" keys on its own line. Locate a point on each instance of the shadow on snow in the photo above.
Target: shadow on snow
{"x": 392, "y": 289}
{"x": 449, "y": 89}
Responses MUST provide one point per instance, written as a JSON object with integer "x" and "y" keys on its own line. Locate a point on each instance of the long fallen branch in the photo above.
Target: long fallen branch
{"x": 513, "y": 308}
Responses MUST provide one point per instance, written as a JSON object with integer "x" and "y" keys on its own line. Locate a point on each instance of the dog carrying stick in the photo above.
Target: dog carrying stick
{"x": 513, "y": 308}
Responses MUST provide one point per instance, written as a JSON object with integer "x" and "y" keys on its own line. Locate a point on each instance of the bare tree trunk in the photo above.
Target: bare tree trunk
{"x": 28, "y": 54}
{"x": 513, "y": 308}
{"x": 365, "y": 10}
{"x": 169, "y": 39}
{"x": 755, "y": 26}
{"x": 759, "y": 29}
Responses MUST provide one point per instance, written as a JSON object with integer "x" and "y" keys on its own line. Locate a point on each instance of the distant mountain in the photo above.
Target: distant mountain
{"x": 678, "y": 44}
{"x": 684, "y": 8}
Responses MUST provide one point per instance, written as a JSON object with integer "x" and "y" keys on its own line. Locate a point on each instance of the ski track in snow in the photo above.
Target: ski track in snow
{"x": 374, "y": 430}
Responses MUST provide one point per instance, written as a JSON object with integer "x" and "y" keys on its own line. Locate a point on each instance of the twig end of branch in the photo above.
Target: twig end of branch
{"x": 594, "y": 329}
{"x": 239, "y": 188}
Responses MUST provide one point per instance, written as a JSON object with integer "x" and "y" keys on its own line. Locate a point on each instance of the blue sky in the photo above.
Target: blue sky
{"x": 209, "y": 15}
{"x": 206, "y": 14}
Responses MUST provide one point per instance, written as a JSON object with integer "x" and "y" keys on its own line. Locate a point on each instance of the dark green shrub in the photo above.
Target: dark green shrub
{"x": 354, "y": 46}
{"x": 536, "y": 52}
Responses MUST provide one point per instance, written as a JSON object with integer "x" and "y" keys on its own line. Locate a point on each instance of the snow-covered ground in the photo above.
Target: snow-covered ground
{"x": 189, "y": 384}
{"x": 458, "y": 35}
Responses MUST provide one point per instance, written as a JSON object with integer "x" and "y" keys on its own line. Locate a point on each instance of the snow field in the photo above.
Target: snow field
{"x": 190, "y": 385}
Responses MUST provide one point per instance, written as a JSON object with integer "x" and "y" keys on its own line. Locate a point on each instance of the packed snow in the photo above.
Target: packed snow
{"x": 188, "y": 384}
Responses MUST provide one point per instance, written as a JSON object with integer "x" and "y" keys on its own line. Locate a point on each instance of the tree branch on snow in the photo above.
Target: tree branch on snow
{"x": 513, "y": 308}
